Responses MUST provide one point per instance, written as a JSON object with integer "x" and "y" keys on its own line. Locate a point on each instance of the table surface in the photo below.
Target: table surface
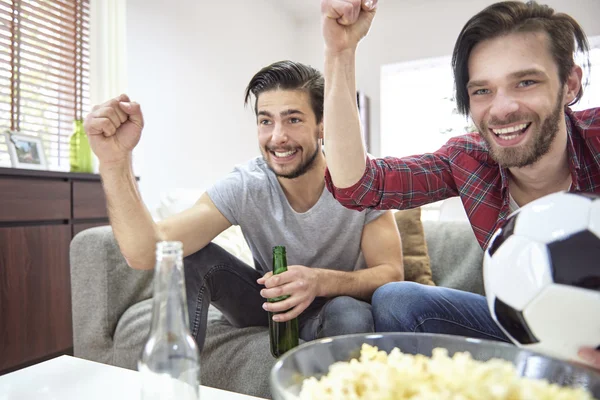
{"x": 70, "y": 378}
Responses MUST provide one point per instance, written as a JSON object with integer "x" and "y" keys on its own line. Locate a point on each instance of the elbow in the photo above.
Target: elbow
{"x": 349, "y": 199}
{"x": 160, "y": 234}
{"x": 346, "y": 196}
{"x": 145, "y": 260}
{"x": 138, "y": 246}
{"x": 139, "y": 265}
{"x": 398, "y": 272}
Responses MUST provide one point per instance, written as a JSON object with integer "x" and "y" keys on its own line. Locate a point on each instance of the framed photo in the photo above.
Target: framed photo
{"x": 26, "y": 151}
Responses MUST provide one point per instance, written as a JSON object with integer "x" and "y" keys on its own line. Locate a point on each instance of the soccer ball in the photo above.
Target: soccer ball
{"x": 542, "y": 275}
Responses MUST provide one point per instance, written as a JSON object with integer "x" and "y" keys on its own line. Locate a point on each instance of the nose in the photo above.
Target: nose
{"x": 503, "y": 105}
{"x": 279, "y": 134}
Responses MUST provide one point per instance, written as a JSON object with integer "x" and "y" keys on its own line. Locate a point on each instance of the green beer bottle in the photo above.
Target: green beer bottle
{"x": 80, "y": 152}
{"x": 283, "y": 335}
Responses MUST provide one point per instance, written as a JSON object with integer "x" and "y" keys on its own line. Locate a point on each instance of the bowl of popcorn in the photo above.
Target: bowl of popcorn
{"x": 398, "y": 366}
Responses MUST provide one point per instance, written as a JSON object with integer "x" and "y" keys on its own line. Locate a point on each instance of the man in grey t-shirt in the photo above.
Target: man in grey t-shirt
{"x": 337, "y": 257}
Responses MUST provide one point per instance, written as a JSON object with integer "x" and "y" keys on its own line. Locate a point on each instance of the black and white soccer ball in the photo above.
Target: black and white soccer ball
{"x": 542, "y": 275}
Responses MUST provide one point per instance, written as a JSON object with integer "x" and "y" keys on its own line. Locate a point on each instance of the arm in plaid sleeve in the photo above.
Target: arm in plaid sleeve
{"x": 399, "y": 183}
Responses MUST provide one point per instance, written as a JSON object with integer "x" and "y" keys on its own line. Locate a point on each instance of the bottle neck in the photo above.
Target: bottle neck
{"x": 279, "y": 263}
{"x": 169, "y": 311}
{"x": 78, "y": 127}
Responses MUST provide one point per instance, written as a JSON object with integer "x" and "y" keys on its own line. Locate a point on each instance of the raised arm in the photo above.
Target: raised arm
{"x": 114, "y": 129}
{"x": 345, "y": 22}
{"x": 354, "y": 179}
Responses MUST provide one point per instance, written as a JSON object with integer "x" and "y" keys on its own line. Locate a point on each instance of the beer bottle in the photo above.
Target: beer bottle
{"x": 283, "y": 335}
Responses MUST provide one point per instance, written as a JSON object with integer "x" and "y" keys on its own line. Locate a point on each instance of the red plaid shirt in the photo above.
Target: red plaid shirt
{"x": 463, "y": 167}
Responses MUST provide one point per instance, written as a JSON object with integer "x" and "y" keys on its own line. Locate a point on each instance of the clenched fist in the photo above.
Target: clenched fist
{"x": 114, "y": 129}
{"x": 346, "y": 22}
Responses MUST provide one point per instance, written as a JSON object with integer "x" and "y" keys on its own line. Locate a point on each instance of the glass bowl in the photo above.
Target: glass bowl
{"x": 313, "y": 359}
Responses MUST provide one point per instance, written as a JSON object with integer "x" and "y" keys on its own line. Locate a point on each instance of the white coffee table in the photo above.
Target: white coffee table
{"x": 70, "y": 378}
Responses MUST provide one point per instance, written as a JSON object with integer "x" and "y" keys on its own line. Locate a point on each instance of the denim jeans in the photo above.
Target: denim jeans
{"x": 213, "y": 276}
{"x": 412, "y": 307}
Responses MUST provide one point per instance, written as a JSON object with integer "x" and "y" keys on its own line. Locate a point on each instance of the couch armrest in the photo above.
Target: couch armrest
{"x": 103, "y": 287}
{"x": 455, "y": 255}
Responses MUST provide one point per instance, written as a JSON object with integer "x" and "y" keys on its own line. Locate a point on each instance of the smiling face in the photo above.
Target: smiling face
{"x": 516, "y": 98}
{"x": 288, "y": 133}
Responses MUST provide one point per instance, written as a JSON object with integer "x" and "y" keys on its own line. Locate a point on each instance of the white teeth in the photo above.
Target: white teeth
{"x": 507, "y": 137}
{"x": 510, "y": 129}
{"x": 284, "y": 154}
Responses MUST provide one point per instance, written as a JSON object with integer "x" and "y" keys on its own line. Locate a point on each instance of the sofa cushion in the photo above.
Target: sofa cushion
{"x": 237, "y": 359}
{"x": 103, "y": 287}
{"x": 232, "y": 240}
{"x": 414, "y": 248}
{"x": 455, "y": 255}
{"x": 131, "y": 334}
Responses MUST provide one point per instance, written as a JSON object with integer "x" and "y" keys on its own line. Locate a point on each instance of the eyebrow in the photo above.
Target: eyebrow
{"x": 284, "y": 113}
{"x": 515, "y": 75}
{"x": 290, "y": 112}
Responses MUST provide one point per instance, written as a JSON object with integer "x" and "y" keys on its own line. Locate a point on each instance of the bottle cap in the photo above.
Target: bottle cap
{"x": 279, "y": 249}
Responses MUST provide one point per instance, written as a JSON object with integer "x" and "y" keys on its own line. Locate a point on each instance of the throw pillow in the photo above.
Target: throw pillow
{"x": 417, "y": 267}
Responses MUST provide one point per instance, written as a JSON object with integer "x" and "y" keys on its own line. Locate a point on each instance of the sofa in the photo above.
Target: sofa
{"x": 112, "y": 305}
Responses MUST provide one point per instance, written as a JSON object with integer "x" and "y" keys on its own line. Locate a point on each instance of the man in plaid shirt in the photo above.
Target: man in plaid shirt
{"x": 516, "y": 77}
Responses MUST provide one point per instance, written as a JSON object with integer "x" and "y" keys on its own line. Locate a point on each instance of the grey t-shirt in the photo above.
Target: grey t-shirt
{"x": 326, "y": 236}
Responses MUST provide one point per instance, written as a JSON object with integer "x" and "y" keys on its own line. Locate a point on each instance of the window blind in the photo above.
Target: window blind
{"x": 44, "y": 72}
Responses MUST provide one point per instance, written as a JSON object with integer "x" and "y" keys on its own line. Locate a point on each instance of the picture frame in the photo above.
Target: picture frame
{"x": 26, "y": 151}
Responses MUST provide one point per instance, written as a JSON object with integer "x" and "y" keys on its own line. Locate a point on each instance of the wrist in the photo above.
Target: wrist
{"x": 320, "y": 278}
{"x": 345, "y": 54}
{"x": 116, "y": 165}
{"x": 116, "y": 172}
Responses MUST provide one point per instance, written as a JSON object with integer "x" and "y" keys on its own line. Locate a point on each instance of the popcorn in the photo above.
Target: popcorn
{"x": 377, "y": 375}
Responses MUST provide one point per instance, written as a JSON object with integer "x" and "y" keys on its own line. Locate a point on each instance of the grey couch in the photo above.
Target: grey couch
{"x": 112, "y": 306}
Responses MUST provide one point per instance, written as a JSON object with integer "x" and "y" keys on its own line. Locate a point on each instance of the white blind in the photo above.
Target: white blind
{"x": 44, "y": 72}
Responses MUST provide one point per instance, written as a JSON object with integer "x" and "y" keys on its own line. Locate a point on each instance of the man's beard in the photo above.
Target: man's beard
{"x": 539, "y": 146}
{"x": 303, "y": 168}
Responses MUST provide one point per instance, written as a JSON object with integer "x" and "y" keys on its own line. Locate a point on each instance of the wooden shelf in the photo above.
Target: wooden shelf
{"x": 31, "y": 173}
{"x": 40, "y": 212}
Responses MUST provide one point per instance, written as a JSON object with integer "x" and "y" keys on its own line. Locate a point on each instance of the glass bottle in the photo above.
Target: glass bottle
{"x": 283, "y": 335}
{"x": 169, "y": 364}
{"x": 80, "y": 152}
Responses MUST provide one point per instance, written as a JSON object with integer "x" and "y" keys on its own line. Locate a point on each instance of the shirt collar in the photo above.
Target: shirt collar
{"x": 574, "y": 163}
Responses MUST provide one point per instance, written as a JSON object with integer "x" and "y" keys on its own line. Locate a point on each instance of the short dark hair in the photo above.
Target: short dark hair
{"x": 288, "y": 75}
{"x": 514, "y": 16}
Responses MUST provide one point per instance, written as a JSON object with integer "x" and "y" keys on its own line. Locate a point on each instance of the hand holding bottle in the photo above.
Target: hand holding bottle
{"x": 299, "y": 282}
{"x": 284, "y": 334}
{"x": 114, "y": 129}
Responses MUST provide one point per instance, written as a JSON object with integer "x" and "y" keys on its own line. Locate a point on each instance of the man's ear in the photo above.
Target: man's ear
{"x": 572, "y": 85}
{"x": 321, "y": 130}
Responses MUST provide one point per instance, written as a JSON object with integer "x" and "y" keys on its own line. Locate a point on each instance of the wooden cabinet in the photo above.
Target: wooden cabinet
{"x": 34, "y": 200}
{"x": 40, "y": 212}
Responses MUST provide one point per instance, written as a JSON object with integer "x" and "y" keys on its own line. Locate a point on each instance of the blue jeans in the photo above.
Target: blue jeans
{"x": 412, "y": 307}
{"x": 340, "y": 315}
{"x": 214, "y": 276}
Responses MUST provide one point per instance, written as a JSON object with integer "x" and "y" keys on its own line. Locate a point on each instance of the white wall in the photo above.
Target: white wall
{"x": 414, "y": 29}
{"x": 188, "y": 64}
